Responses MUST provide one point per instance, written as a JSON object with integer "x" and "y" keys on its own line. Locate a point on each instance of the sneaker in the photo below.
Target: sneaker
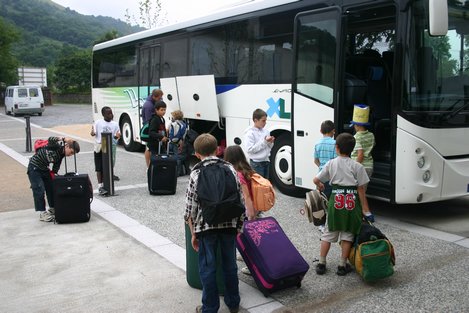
{"x": 46, "y": 216}
{"x": 102, "y": 191}
{"x": 321, "y": 228}
{"x": 344, "y": 270}
{"x": 320, "y": 268}
{"x": 245, "y": 271}
{"x": 198, "y": 309}
{"x": 115, "y": 177}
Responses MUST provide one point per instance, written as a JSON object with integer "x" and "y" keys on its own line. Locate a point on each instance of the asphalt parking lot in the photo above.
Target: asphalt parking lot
{"x": 430, "y": 273}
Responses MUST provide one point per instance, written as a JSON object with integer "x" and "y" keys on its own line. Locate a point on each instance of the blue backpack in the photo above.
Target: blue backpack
{"x": 182, "y": 128}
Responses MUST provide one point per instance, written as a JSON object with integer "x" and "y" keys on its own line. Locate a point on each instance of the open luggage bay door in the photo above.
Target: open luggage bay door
{"x": 197, "y": 97}
{"x": 170, "y": 95}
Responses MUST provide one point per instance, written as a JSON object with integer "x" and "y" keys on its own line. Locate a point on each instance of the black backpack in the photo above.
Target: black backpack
{"x": 218, "y": 192}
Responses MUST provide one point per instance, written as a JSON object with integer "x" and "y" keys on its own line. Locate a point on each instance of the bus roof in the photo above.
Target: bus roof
{"x": 242, "y": 8}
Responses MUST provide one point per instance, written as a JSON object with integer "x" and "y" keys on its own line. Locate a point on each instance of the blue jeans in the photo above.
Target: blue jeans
{"x": 41, "y": 183}
{"x": 261, "y": 168}
{"x": 208, "y": 270}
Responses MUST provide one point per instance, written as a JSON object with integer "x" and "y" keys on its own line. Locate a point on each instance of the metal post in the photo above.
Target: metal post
{"x": 108, "y": 171}
{"x": 28, "y": 133}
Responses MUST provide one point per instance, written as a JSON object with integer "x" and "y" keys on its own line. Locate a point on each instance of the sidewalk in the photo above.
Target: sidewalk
{"x": 89, "y": 267}
{"x": 106, "y": 265}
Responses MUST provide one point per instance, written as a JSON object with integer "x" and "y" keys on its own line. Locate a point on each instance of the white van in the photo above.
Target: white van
{"x": 24, "y": 100}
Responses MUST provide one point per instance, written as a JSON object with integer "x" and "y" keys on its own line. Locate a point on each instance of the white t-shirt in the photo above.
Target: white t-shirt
{"x": 101, "y": 126}
{"x": 343, "y": 171}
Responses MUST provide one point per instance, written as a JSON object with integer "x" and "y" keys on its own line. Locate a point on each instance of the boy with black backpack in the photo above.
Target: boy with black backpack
{"x": 214, "y": 213}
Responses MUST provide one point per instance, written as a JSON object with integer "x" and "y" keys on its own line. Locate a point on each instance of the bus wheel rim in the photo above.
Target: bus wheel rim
{"x": 283, "y": 168}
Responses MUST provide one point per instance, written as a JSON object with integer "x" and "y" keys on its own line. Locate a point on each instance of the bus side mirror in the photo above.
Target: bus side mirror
{"x": 438, "y": 17}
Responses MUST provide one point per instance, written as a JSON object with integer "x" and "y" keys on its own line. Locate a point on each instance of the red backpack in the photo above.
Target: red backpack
{"x": 40, "y": 143}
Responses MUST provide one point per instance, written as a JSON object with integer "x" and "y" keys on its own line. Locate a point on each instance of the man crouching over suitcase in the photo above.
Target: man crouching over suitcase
{"x": 214, "y": 218}
{"x": 40, "y": 175}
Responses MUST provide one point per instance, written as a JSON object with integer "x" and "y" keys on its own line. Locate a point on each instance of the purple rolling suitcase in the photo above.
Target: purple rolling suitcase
{"x": 271, "y": 257}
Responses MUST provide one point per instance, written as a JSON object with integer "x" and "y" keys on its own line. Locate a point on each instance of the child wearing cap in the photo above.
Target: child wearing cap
{"x": 365, "y": 140}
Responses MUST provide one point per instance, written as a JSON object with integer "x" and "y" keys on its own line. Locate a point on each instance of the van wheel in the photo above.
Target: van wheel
{"x": 39, "y": 114}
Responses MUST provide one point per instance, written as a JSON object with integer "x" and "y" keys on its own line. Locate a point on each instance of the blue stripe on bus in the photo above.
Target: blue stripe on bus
{"x": 224, "y": 88}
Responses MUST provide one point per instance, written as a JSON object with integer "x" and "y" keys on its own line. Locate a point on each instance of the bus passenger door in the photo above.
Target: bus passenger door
{"x": 170, "y": 95}
{"x": 198, "y": 98}
{"x": 314, "y": 90}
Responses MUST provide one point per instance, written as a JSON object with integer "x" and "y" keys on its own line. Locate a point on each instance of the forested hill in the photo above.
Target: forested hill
{"x": 46, "y": 27}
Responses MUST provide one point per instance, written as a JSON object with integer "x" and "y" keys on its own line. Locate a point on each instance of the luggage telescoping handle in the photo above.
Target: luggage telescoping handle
{"x": 65, "y": 157}
{"x": 159, "y": 147}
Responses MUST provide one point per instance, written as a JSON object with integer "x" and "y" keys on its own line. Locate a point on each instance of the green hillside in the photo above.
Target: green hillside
{"x": 46, "y": 28}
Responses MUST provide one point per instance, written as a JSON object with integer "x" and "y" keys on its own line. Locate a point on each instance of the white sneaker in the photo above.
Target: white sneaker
{"x": 321, "y": 228}
{"x": 46, "y": 216}
{"x": 245, "y": 271}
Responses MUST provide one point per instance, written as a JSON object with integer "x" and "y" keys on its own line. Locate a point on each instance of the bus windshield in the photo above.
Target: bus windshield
{"x": 436, "y": 79}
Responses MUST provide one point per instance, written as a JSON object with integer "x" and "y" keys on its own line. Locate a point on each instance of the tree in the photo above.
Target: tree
{"x": 73, "y": 71}
{"x": 151, "y": 14}
{"x": 8, "y": 63}
{"x": 112, "y": 34}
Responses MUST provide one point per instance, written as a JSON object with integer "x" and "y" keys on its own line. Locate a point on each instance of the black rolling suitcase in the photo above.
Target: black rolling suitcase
{"x": 162, "y": 173}
{"x": 73, "y": 194}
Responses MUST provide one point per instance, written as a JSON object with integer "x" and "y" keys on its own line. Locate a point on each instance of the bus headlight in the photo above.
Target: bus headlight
{"x": 421, "y": 162}
{"x": 426, "y": 176}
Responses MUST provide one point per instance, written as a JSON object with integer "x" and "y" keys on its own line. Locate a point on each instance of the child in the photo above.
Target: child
{"x": 206, "y": 238}
{"x": 177, "y": 131}
{"x": 40, "y": 176}
{"x": 258, "y": 143}
{"x": 105, "y": 125}
{"x": 324, "y": 150}
{"x": 148, "y": 110}
{"x": 344, "y": 216}
{"x": 235, "y": 155}
{"x": 365, "y": 140}
{"x": 157, "y": 128}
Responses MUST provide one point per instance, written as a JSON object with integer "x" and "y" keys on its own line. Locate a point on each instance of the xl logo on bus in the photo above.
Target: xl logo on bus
{"x": 277, "y": 107}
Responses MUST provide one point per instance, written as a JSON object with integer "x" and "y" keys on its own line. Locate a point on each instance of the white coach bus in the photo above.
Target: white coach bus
{"x": 305, "y": 61}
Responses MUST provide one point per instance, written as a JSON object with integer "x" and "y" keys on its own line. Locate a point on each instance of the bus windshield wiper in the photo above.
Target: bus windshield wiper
{"x": 453, "y": 113}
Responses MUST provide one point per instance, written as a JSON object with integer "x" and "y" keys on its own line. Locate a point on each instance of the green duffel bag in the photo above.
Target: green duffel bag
{"x": 374, "y": 259}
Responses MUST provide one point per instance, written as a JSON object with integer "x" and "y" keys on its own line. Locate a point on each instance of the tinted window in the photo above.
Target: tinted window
{"x": 115, "y": 68}
{"x": 175, "y": 58}
{"x": 33, "y": 92}
{"x": 315, "y": 66}
{"x": 22, "y": 92}
{"x": 208, "y": 53}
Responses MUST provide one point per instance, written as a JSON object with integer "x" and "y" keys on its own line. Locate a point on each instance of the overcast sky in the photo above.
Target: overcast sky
{"x": 177, "y": 10}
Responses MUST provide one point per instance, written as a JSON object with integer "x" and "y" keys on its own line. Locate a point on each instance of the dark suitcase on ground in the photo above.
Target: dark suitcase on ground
{"x": 271, "y": 257}
{"x": 162, "y": 174}
{"x": 73, "y": 194}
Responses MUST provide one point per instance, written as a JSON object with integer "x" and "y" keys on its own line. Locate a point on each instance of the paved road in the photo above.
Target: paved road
{"x": 431, "y": 270}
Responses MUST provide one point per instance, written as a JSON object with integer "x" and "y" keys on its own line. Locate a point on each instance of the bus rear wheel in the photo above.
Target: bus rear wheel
{"x": 281, "y": 169}
{"x": 128, "y": 136}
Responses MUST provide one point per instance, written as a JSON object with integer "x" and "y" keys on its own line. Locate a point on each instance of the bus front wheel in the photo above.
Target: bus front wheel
{"x": 127, "y": 135}
{"x": 281, "y": 168}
